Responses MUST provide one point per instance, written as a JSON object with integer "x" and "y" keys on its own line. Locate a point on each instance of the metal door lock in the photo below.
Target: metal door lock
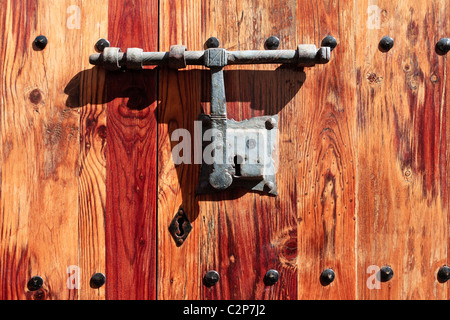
{"x": 241, "y": 152}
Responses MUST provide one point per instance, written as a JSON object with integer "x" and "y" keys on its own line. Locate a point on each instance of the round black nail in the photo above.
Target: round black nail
{"x": 97, "y": 280}
{"x": 443, "y": 46}
{"x": 212, "y": 42}
{"x": 327, "y": 276}
{"x": 101, "y": 45}
{"x": 40, "y": 42}
{"x": 211, "y": 278}
{"x": 386, "y": 273}
{"x": 329, "y": 41}
{"x": 272, "y": 43}
{"x": 272, "y": 276}
{"x": 35, "y": 283}
{"x": 386, "y": 44}
{"x": 443, "y": 274}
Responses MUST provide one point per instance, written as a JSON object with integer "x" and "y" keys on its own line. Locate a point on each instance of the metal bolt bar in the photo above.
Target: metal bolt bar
{"x": 305, "y": 55}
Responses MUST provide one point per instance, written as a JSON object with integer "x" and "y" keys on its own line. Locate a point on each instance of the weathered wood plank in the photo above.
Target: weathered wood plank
{"x": 93, "y": 135}
{"x": 179, "y": 269}
{"x": 326, "y": 171}
{"x": 130, "y": 217}
{"x": 39, "y": 150}
{"x": 246, "y": 234}
{"x": 241, "y": 252}
{"x": 402, "y": 168}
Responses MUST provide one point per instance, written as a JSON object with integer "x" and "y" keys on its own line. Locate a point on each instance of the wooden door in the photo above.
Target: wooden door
{"x": 89, "y": 185}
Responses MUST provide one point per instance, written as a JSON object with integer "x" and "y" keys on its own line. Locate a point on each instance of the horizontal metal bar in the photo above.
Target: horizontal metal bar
{"x": 305, "y": 55}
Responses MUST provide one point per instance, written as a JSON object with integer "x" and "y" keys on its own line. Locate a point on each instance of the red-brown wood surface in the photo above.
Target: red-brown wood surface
{"x": 88, "y": 182}
{"x": 130, "y": 217}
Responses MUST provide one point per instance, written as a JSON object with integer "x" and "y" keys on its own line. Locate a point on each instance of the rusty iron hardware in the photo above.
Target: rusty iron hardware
{"x": 271, "y": 277}
{"x": 327, "y": 277}
{"x": 386, "y": 273}
{"x": 180, "y": 227}
{"x": 443, "y": 46}
{"x": 40, "y": 43}
{"x": 241, "y": 151}
{"x": 97, "y": 280}
{"x": 35, "y": 283}
{"x": 443, "y": 274}
{"x": 211, "y": 278}
{"x": 386, "y": 44}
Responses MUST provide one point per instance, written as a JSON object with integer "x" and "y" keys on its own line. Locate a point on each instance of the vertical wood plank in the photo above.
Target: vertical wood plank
{"x": 245, "y": 233}
{"x": 240, "y": 235}
{"x": 402, "y": 168}
{"x": 130, "y": 218}
{"x": 179, "y": 269}
{"x": 326, "y": 170}
{"x": 39, "y": 152}
{"x": 88, "y": 94}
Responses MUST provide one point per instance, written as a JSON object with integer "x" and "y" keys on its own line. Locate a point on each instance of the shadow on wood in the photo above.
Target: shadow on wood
{"x": 258, "y": 92}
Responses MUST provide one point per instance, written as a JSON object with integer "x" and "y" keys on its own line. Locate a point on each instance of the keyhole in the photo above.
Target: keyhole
{"x": 237, "y": 166}
{"x": 180, "y": 222}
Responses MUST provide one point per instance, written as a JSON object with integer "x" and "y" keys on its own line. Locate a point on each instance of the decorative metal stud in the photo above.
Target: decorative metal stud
{"x": 211, "y": 278}
{"x": 386, "y": 44}
{"x": 101, "y": 45}
{"x": 329, "y": 41}
{"x": 35, "y": 283}
{"x": 272, "y": 43}
{"x": 97, "y": 280}
{"x": 443, "y": 46}
{"x": 443, "y": 274}
{"x": 272, "y": 276}
{"x": 386, "y": 273}
{"x": 212, "y": 42}
{"x": 40, "y": 43}
{"x": 327, "y": 277}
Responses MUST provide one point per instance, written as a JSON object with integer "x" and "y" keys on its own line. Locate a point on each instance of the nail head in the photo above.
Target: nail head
{"x": 40, "y": 42}
{"x": 35, "y": 283}
{"x": 272, "y": 43}
{"x": 329, "y": 41}
{"x": 98, "y": 280}
{"x": 211, "y": 278}
{"x": 272, "y": 276}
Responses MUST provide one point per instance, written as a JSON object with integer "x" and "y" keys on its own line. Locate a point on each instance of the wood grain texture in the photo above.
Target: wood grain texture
{"x": 93, "y": 136}
{"x": 130, "y": 218}
{"x": 87, "y": 177}
{"x": 179, "y": 270}
{"x": 402, "y": 150}
{"x": 324, "y": 117}
{"x": 240, "y": 235}
{"x": 39, "y": 150}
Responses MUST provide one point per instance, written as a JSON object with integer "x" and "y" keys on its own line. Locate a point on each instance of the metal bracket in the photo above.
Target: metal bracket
{"x": 241, "y": 154}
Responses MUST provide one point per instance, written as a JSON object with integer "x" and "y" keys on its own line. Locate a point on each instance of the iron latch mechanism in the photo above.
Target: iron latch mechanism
{"x": 241, "y": 153}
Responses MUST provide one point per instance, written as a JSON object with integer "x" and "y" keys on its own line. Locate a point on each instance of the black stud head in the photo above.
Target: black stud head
{"x": 40, "y": 43}
{"x": 443, "y": 274}
{"x": 272, "y": 276}
{"x": 386, "y": 44}
{"x": 443, "y": 46}
{"x": 386, "y": 273}
{"x": 329, "y": 41}
{"x": 101, "y": 45}
{"x": 327, "y": 277}
{"x": 35, "y": 283}
{"x": 211, "y": 278}
{"x": 97, "y": 280}
{"x": 272, "y": 43}
{"x": 212, "y": 42}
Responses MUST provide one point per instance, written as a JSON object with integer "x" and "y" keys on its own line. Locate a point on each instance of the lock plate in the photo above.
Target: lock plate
{"x": 251, "y": 154}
